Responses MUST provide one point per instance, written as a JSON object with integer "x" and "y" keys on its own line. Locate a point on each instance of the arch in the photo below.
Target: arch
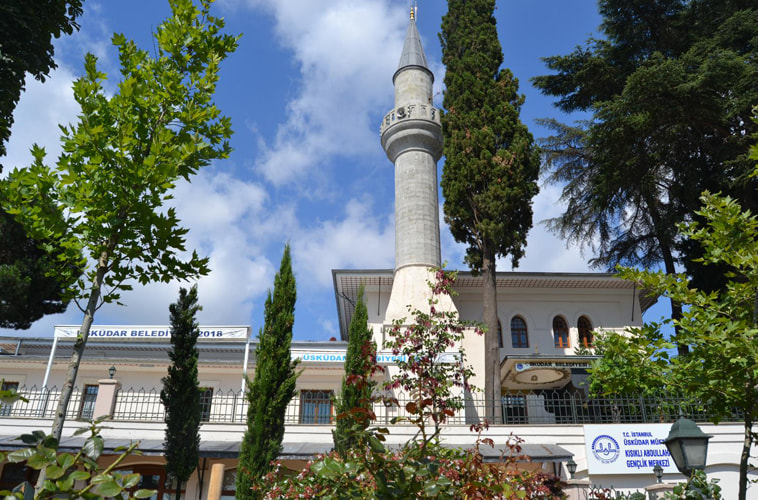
{"x": 560, "y": 332}
{"x": 519, "y": 333}
{"x": 586, "y": 338}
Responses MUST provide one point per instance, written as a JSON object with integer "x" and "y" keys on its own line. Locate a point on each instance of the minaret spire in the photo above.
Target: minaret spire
{"x": 412, "y": 139}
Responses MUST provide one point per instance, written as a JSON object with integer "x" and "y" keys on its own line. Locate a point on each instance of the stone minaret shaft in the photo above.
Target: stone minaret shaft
{"x": 412, "y": 139}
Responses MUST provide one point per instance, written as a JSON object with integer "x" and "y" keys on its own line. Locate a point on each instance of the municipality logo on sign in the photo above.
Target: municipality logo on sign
{"x": 605, "y": 449}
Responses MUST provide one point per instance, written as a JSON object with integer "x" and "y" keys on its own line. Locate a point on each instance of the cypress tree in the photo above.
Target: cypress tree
{"x": 491, "y": 163}
{"x": 354, "y": 405}
{"x": 181, "y": 391}
{"x": 273, "y": 384}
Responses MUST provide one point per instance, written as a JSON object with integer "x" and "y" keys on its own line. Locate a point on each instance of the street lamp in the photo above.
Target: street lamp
{"x": 688, "y": 445}
{"x": 658, "y": 471}
{"x": 571, "y": 467}
{"x": 112, "y": 371}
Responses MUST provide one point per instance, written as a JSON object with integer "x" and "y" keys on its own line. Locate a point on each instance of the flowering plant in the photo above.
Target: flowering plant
{"x": 422, "y": 467}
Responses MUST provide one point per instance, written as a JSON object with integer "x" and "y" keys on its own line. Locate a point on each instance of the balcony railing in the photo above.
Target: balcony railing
{"x": 41, "y": 403}
{"x": 522, "y": 408}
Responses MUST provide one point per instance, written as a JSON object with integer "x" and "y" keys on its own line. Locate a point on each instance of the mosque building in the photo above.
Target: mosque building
{"x": 547, "y": 327}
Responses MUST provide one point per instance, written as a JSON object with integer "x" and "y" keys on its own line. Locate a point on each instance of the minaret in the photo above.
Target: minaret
{"x": 412, "y": 138}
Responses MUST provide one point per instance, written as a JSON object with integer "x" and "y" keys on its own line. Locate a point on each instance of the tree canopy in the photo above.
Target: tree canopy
{"x": 669, "y": 88}
{"x": 721, "y": 326}
{"x": 491, "y": 163}
{"x": 28, "y": 290}
{"x": 103, "y": 201}
{"x": 27, "y": 29}
{"x": 181, "y": 391}
{"x": 273, "y": 384}
{"x": 354, "y": 406}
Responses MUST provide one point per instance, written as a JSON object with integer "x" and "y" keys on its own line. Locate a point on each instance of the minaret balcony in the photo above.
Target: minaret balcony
{"x": 410, "y": 112}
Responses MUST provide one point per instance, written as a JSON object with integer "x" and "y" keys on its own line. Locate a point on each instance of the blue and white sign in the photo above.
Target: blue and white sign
{"x": 627, "y": 448}
{"x": 142, "y": 333}
{"x": 339, "y": 357}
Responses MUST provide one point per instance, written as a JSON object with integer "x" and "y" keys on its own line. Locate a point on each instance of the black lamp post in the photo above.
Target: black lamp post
{"x": 112, "y": 371}
{"x": 658, "y": 471}
{"x": 688, "y": 446}
{"x": 571, "y": 467}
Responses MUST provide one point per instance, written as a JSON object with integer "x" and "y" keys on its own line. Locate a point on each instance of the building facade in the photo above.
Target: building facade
{"x": 547, "y": 327}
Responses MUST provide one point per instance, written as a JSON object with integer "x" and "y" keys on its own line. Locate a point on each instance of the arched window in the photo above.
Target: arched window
{"x": 560, "y": 332}
{"x": 519, "y": 335}
{"x": 586, "y": 338}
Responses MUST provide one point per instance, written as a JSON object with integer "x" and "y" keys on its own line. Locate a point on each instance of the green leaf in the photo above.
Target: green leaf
{"x": 130, "y": 480}
{"x": 108, "y": 488}
{"x": 93, "y": 447}
{"x": 144, "y": 493}
{"x": 79, "y": 475}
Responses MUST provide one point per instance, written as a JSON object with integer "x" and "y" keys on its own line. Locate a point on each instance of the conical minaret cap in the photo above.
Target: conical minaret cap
{"x": 413, "y": 53}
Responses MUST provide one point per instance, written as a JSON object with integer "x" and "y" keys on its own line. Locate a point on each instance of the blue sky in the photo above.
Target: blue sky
{"x": 305, "y": 91}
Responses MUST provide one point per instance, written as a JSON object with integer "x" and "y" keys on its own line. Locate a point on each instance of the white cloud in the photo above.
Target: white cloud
{"x": 545, "y": 251}
{"x": 346, "y": 52}
{"x": 359, "y": 241}
{"x": 41, "y": 108}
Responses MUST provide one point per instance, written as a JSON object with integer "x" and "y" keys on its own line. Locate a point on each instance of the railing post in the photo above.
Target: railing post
{"x": 106, "y": 397}
{"x": 643, "y": 405}
{"x": 574, "y": 415}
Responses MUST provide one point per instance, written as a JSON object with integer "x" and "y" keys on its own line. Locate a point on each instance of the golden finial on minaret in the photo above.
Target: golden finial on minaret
{"x": 413, "y": 13}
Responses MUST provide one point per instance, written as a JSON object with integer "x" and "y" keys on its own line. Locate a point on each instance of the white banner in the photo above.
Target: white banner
{"x": 339, "y": 357}
{"x": 627, "y": 448}
{"x": 141, "y": 333}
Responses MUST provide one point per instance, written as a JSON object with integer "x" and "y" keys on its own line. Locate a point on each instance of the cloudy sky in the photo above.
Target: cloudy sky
{"x": 305, "y": 91}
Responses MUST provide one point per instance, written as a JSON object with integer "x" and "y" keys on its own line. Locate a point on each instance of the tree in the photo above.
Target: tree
{"x": 103, "y": 200}
{"x": 354, "y": 408}
{"x": 436, "y": 383}
{"x": 27, "y": 28}
{"x": 721, "y": 327}
{"x": 491, "y": 162}
{"x": 423, "y": 467}
{"x": 273, "y": 384}
{"x": 27, "y": 292}
{"x": 181, "y": 391}
{"x": 670, "y": 89}
{"x": 75, "y": 475}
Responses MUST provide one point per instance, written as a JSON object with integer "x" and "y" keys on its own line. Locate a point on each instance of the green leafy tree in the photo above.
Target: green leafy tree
{"x": 75, "y": 475}
{"x": 354, "y": 407}
{"x": 27, "y": 29}
{"x": 181, "y": 391}
{"x": 721, "y": 327}
{"x": 431, "y": 362}
{"x": 273, "y": 384}
{"x": 491, "y": 163}
{"x": 669, "y": 87}
{"x": 423, "y": 467}
{"x": 103, "y": 200}
{"x": 27, "y": 292}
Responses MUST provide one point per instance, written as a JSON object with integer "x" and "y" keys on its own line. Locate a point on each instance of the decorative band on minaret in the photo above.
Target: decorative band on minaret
{"x": 412, "y": 138}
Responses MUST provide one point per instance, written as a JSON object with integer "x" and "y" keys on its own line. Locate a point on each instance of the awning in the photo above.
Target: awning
{"x": 294, "y": 451}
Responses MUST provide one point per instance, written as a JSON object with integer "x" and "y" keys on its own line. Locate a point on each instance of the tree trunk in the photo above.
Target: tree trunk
{"x": 76, "y": 357}
{"x": 492, "y": 394}
{"x": 668, "y": 266}
{"x": 676, "y": 307}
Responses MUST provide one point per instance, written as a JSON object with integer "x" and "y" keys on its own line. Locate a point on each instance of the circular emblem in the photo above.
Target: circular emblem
{"x": 605, "y": 449}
